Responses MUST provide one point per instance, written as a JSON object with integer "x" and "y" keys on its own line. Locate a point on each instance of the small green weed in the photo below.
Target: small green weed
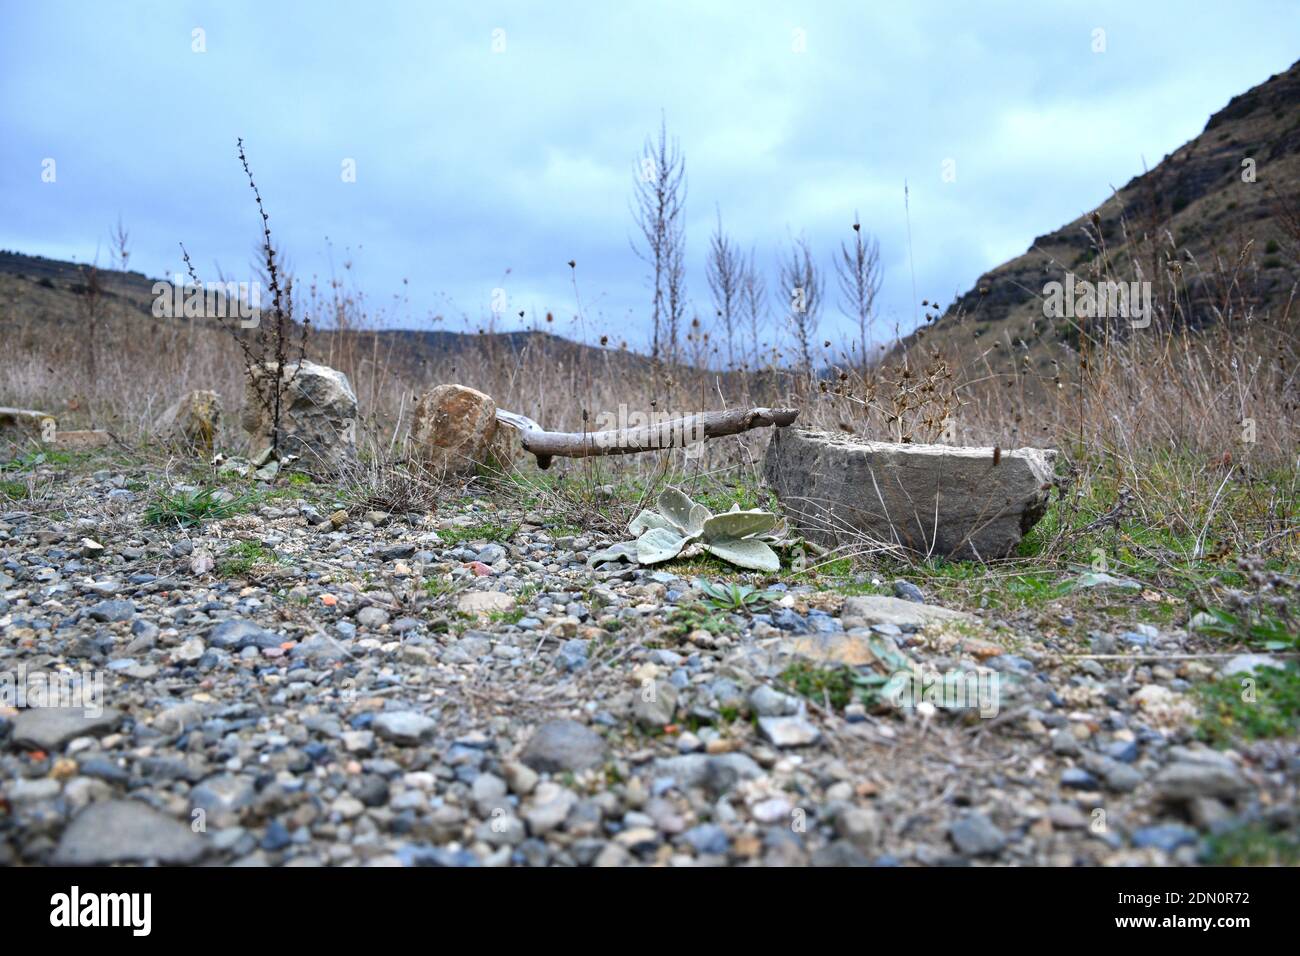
{"x": 185, "y": 509}
{"x": 1264, "y": 705}
{"x": 243, "y": 558}
{"x": 491, "y": 531}
{"x": 734, "y": 597}
{"x": 1253, "y": 846}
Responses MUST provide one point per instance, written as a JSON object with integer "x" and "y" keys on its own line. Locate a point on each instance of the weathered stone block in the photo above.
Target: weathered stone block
{"x": 938, "y": 500}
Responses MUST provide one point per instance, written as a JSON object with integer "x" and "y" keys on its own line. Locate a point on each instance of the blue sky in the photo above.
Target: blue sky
{"x": 481, "y": 168}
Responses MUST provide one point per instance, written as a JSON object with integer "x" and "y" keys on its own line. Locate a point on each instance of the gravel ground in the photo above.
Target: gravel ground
{"x": 374, "y": 690}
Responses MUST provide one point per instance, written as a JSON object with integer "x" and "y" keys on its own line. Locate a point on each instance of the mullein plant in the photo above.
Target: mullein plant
{"x": 681, "y": 527}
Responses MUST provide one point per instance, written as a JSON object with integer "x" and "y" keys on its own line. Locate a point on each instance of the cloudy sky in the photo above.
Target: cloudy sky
{"x": 492, "y": 142}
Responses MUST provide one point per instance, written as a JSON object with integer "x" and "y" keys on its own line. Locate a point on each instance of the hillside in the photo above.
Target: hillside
{"x": 39, "y": 294}
{"x": 1193, "y": 224}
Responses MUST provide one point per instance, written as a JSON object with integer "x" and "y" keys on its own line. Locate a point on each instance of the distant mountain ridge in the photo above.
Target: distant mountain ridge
{"x": 37, "y": 289}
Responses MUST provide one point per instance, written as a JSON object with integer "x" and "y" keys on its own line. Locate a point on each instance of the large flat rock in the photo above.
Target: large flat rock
{"x": 939, "y": 500}
{"x": 126, "y": 831}
{"x": 872, "y": 609}
{"x": 563, "y": 745}
{"x": 49, "y": 728}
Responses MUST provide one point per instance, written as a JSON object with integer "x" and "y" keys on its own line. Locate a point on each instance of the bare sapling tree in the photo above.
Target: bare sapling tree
{"x": 266, "y": 353}
{"x": 858, "y": 269}
{"x": 802, "y": 282}
{"x": 753, "y": 304}
{"x": 725, "y": 269}
{"x": 660, "y": 192}
{"x": 676, "y": 299}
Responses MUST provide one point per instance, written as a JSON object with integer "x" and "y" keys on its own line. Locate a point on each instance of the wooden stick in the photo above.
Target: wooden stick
{"x": 626, "y": 441}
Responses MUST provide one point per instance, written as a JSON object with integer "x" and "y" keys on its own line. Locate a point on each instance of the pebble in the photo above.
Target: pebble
{"x": 788, "y": 731}
{"x": 405, "y": 728}
{"x": 863, "y": 827}
{"x": 975, "y": 835}
{"x": 111, "y": 611}
{"x": 1185, "y": 781}
{"x": 49, "y": 728}
{"x": 561, "y": 745}
{"x": 1076, "y": 778}
{"x": 1168, "y": 837}
{"x": 767, "y": 702}
{"x": 1066, "y": 816}
{"x": 654, "y": 705}
{"x": 372, "y": 617}
{"x": 235, "y": 635}
{"x": 908, "y": 591}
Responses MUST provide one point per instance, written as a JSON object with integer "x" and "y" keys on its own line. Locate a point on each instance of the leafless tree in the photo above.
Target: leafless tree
{"x": 858, "y": 269}
{"x": 802, "y": 282}
{"x": 121, "y": 252}
{"x": 659, "y": 197}
{"x": 753, "y": 299}
{"x": 676, "y": 297}
{"x": 725, "y": 269}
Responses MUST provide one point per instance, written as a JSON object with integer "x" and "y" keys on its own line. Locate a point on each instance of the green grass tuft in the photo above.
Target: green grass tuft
{"x": 13, "y": 490}
{"x": 1228, "y": 711}
{"x": 244, "y": 557}
{"x": 1253, "y": 846}
{"x": 185, "y": 509}
{"x": 492, "y": 531}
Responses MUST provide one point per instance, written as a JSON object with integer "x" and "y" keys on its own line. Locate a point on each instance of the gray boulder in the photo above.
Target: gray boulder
{"x": 942, "y": 500}
{"x": 318, "y": 415}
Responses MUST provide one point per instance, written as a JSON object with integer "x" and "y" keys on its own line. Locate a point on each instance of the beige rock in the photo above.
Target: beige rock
{"x": 193, "y": 420}
{"x": 484, "y": 602}
{"x": 1164, "y": 707}
{"x": 506, "y": 450}
{"x": 76, "y": 440}
{"x": 879, "y": 609}
{"x": 454, "y": 430}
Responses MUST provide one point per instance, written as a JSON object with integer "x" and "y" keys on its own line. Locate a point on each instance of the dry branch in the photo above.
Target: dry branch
{"x": 625, "y": 441}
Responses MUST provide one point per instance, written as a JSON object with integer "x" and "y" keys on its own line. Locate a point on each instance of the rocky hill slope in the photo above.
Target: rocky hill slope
{"x": 1221, "y": 211}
